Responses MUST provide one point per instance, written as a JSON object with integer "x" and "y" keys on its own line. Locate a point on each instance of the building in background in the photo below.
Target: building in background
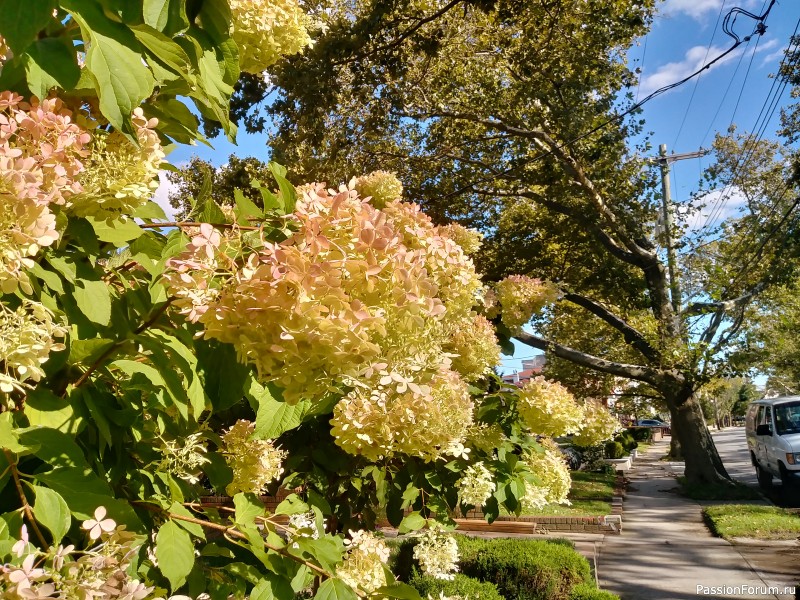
{"x": 531, "y": 367}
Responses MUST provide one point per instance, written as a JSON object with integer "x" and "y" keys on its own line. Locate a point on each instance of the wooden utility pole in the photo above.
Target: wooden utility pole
{"x": 666, "y": 206}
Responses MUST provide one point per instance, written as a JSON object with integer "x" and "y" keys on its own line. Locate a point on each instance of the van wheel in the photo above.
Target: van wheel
{"x": 764, "y": 478}
{"x": 787, "y": 481}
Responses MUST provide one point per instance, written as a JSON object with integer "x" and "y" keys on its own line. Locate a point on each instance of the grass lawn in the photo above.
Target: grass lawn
{"x": 737, "y": 491}
{"x": 753, "y": 521}
{"x": 590, "y": 496}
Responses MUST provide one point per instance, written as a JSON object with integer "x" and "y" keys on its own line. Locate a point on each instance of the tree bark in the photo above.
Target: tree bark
{"x": 702, "y": 461}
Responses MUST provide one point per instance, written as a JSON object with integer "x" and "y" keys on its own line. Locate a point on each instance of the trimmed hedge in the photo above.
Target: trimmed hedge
{"x": 641, "y": 434}
{"x": 528, "y": 569}
{"x": 463, "y": 586}
{"x": 585, "y": 591}
{"x": 614, "y": 450}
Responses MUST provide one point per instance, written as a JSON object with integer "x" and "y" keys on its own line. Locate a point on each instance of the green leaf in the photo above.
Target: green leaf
{"x": 292, "y": 505}
{"x": 248, "y": 507}
{"x": 8, "y": 435}
{"x": 52, "y": 511}
{"x": 400, "y": 590}
{"x": 412, "y": 522}
{"x": 246, "y": 207}
{"x": 215, "y": 17}
{"x": 335, "y": 589}
{"x": 51, "y": 63}
{"x": 288, "y": 193}
{"x": 168, "y": 16}
{"x": 175, "y": 553}
{"x": 45, "y": 409}
{"x": 87, "y": 351}
{"x": 121, "y": 80}
{"x": 165, "y": 50}
{"x": 149, "y": 210}
{"x": 22, "y": 20}
{"x": 94, "y": 300}
{"x": 194, "y": 528}
{"x": 274, "y": 417}
{"x": 272, "y": 587}
{"x": 52, "y": 280}
{"x": 117, "y": 232}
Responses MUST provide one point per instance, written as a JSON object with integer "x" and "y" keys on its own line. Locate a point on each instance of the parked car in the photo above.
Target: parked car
{"x": 651, "y": 423}
{"x": 772, "y": 427}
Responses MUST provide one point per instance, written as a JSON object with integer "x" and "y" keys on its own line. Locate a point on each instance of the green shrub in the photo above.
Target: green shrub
{"x": 614, "y": 450}
{"x": 587, "y": 591}
{"x": 463, "y": 586}
{"x": 528, "y": 569}
{"x": 627, "y": 441}
{"x": 641, "y": 434}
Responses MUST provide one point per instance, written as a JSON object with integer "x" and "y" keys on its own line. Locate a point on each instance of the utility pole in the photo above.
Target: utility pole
{"x": 666, "y": 206}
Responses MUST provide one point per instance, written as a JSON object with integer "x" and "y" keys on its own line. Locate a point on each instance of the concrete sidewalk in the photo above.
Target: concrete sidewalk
{"x": 665, "y": 551}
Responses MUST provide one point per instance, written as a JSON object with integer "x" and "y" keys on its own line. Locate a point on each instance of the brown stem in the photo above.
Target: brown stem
{"x": 116, "y": 345}
{"x": 25, "y": 506}
{"x": 197, "y": 224}
{"x": 199, "y": 507}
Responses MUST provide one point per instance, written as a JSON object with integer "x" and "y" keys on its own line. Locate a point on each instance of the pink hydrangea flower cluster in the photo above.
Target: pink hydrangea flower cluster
{"x": 41, "y": 154}
{"x": 357, "y": 298}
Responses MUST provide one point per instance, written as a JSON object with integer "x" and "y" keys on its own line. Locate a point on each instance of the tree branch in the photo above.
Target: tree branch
{"x": 25, "y": 506}
{"x": 631, "y": 335}
{"x": 628, "y": 371}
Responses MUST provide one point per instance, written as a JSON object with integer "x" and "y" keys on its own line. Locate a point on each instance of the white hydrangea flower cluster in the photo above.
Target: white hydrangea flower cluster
{"x": 485, "y": 437}
{"x": 476, "y": 485}
{"x": 184, "y": 458}
{"x": 26, "y": 341}
{"x": 599, "y": 425}
{"x": 303, "y": 525}
{"x": 100, "y": 572}
{"x": 363, "y": 567}
{"x": 437, "y": 553}
{"x": 552, "y": 473}
{"x": 469, "y": 239}
{"x": 548, "y": 408}
{"x": 380, "y": 187}
{"x": 254, "y": 462}
{"x": 120, "y": 176}
{"x": 474, "y": 347}
{"x": 265, "y": 30}
{"x": 521, "y": 297}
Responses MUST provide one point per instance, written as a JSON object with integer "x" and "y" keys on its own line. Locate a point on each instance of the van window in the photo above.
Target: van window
{"x": 787, "y": 418}
{"x": 764, "y": 416}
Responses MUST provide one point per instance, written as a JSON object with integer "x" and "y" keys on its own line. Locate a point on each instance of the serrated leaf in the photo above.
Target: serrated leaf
{"x": 117, "y": 232}
{"x": 288, "y": 193}
{"x": 272, "y": 587}
{"x": 292, "y": 505}
{"x": 51, "y": 63}
{"x": 194, "y": 528}
{"x": 149, "y": 210}
{"x": 400, "y": 590}
{"x": 412, "y": 522}
{"x": 45, "y": 409}
{"x": 335, "y": 589}
{"x": 52, "y": 511}
{"x": 274, "y": 417}
{"x": 94, "y": 300}
{"x": 248, "y": 508}
{"x": 175, "y": 553}
{"x": 8, "y": 435}
{"x": 165, "y": 50}
{"x": 246, "y": 207}
{"x": 22, "y": 20}
{"x": 121, "y": 80}
{"x": 168, "y": 16}
{"x": 87, "y": 351}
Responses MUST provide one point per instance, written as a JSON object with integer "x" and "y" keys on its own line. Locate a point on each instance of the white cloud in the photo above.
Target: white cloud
{"x": 700, "y": 9}
{"x": 714, "y": 208}
{"x": 694, "y": 59}
{"x": 161, "y": 197}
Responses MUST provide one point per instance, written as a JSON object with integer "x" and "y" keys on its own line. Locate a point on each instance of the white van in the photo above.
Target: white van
{"x": 772, "y": 426}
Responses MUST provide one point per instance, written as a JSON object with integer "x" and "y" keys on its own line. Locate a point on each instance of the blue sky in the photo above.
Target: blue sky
{"x": 686, "y": 34}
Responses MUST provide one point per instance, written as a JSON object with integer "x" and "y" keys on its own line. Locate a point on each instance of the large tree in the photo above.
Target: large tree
{"x": 504, "y": 116}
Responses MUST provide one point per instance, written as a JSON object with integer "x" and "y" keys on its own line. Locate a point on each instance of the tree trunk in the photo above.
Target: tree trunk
{"x": 675, "y": 452}
{"x": 703, "y": 464}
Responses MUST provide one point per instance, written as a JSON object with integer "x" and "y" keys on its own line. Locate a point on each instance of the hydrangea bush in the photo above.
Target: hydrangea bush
{"x": 332, "y": 342}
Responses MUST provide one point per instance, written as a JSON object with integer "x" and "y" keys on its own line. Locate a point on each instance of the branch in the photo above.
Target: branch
{"x": 637, "y": 372}
{"x": 21, "y": 493}
{"x": 197, "y": 224}
{"x": 632, "y": 336}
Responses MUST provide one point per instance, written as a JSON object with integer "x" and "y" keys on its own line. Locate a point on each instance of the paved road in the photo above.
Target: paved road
{"x": 732, "y": 447}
